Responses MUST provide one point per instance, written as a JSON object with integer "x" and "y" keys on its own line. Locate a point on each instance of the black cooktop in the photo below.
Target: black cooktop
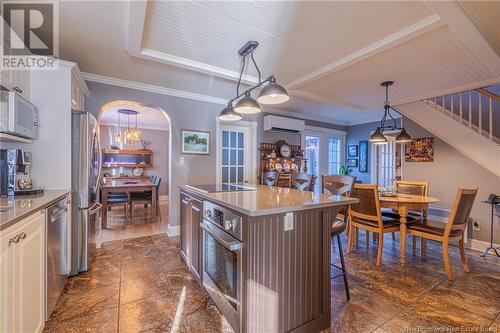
{"x": 224, "y": 187}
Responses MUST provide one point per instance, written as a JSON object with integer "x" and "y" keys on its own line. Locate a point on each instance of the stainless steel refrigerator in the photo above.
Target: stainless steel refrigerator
{"x": 85, "y": 175}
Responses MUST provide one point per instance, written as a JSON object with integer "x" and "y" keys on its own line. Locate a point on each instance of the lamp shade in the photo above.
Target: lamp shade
{"x": 247, "y": 105}
{"x": 403, "y": 137}
{"x": 273, "y": 93}
{"x": 378, "y": 137}
{"x": 228, "y": 114}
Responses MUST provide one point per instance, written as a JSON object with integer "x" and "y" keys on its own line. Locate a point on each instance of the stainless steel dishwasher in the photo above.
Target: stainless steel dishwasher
{"x": 57, "y": 252}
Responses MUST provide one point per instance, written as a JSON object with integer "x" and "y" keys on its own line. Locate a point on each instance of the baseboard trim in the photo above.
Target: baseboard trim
{"x": 479, "y": 245}
{"x": 173, "y": 231}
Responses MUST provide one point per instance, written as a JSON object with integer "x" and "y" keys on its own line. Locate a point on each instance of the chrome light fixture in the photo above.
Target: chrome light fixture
{"x": 130, "y": 134}
{"x": 378, "y": 136}
{"x": 273, "y": 93}
{"x": 228, "y": 114}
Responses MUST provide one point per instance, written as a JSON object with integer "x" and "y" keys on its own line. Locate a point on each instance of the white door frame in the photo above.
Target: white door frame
{"x": 324, "y": 134}
{"x": 252, "y": 153}
{"x": 373, "y": 158}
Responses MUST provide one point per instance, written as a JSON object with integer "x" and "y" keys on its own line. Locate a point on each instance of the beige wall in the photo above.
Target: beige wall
{"x": 159, "y": 146}
{"x": 451, "y": 170}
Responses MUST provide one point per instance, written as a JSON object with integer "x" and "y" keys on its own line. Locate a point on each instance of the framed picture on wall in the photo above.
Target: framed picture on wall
{"x": 352, "y": 162}
{"x": 363, "y": 156}
{"x": 420, "y": 150}
{"x": 195, "y": 142}
{"x": 352, "y": 151}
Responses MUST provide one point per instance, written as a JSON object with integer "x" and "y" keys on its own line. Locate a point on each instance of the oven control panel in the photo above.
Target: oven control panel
{"x": 224, "y": 219}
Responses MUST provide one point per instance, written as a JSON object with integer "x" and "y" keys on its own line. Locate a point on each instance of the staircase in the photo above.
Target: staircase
{"x": 469, "y": 121}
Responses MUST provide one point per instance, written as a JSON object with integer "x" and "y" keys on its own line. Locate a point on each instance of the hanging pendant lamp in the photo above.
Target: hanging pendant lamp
{"x": 273, "y": 93}
{"x": 378, "y": 136}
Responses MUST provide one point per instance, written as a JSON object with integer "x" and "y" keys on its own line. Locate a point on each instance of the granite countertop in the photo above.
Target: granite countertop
{"x": 25, "y": 205}
{"x": 271, "y": 200}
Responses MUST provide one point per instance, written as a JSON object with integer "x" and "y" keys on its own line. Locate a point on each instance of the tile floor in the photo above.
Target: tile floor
{"x": 140, "y": 285}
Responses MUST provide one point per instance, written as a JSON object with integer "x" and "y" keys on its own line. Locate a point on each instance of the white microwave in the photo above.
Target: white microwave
{"x": 17, "y": 115}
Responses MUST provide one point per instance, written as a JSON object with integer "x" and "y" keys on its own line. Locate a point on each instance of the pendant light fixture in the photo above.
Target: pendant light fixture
{"x": 273, "y": 93}
{"x": 118, "y": 136}
{"x": 130, "y": 134}
{"x": 378, "y": 136}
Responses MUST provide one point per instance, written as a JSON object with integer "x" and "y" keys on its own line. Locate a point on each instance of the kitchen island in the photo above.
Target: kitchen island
{"x": 262, "y": 253}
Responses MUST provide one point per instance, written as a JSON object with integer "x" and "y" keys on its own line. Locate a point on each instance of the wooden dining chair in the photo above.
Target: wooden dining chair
{"x": 270, "y": 178}
{"x": 339, "y": 185}
{"x": 453, "y": 230}
{"x": 366, "y": 215}
{"x": 409, "y": 187}
{"x": 301, "y": 181}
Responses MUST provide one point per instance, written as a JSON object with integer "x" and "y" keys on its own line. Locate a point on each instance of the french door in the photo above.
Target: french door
{"x": 236, "y": 150}
{"x": 324, "y": 151}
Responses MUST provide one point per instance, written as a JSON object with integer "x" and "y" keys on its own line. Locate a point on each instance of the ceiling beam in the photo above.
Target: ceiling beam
{"x": 327, "y": 100}
{"x": 428, "y": 24}
{"x": 462, "y": 26}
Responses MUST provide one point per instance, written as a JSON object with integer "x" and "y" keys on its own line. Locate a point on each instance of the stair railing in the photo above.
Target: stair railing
{"x": 470, "y": 109}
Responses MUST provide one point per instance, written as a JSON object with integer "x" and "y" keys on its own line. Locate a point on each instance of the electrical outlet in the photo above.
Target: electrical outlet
{"x": 288, "y": 224}
{"x": 475, "y": 225}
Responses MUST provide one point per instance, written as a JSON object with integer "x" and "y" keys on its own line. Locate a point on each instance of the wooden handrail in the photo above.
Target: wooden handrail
{"x": 488, "y": 93}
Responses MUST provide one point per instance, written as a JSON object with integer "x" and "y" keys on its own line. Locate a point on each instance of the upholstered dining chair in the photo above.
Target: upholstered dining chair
{"x": 453, "y": 230}
{"x": 339, "y": 185}
{"x": 366, "y": 215}
{"x": 301, "y": 181}
{"x": 270, "y": 178}
{"x": 118, "y": 199}
{"x": 410, "y": 187}
{"x": 146, "y": 198}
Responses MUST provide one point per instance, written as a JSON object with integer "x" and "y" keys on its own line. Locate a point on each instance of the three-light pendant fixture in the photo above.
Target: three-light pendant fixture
{"x": 272, "y": 93}
{"x": 378, "y": 136}
{"x": 130, "y": 134}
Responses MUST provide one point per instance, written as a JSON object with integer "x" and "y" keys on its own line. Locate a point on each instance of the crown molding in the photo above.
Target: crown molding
{"x": 153, "y": 89}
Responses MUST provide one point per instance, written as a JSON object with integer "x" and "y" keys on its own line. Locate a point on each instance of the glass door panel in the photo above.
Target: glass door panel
{"x": 333, "y": 156}
{"x": 233, "y": 156}
{"x": 312, "y": 154}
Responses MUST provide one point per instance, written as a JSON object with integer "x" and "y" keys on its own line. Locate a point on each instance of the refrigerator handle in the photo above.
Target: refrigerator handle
{"x": 99, "y": 166}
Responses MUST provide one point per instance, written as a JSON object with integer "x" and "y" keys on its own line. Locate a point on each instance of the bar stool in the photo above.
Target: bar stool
{"x": 339, "y": 185}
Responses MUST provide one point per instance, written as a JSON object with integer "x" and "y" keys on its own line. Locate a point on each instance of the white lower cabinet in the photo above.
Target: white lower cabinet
{"x": 22, "y": 276}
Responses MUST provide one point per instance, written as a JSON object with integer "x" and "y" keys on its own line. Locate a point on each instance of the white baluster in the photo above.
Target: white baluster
{"x": 461, "y": 114}
{"x": 470, "y": 109}
{"x": 452, "y": 111}
{"x": 480, "y": 114}
{"x": 491, "y": 119}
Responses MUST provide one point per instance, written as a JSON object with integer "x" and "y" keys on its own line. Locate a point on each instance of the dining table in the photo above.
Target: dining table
{"x": 126, "y": 186}
{"x": 403, "y": 203}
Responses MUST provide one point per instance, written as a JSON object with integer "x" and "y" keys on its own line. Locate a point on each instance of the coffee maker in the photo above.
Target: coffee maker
{"x": 15, "y": 167}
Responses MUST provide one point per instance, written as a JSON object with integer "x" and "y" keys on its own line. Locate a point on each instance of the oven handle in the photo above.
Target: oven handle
{"x": 229, "y": 242}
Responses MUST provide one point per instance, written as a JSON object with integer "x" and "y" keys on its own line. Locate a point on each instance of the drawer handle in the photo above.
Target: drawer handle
{"x": 22, "y": 235}
{"x": 14, "y": 239}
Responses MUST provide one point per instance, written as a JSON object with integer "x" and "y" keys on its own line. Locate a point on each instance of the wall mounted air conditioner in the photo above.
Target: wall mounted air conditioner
{"x": 283, "y": 124}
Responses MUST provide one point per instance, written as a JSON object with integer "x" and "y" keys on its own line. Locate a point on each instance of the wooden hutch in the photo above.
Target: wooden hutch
{"x": 271, "y": 159}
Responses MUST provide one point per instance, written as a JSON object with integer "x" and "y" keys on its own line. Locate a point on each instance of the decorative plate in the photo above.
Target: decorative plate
{"x": 278, "y": 167}
{"x": 137, "y": 172}
{"x": 286, "y": 167}
{"x": 286, "y": 151}
{"x": 295, "y": 168}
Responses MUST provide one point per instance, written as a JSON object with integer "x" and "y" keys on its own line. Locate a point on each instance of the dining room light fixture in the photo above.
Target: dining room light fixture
{"x": 272, "y": 93}
{"x": 131, "y": 133}
{"x": 378, "y": 136}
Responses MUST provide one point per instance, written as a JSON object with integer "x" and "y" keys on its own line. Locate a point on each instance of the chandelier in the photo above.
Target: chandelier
{"x": 272, "y": 93}
{"x": 130, "y": 133}
{"x": 378, "y": 136}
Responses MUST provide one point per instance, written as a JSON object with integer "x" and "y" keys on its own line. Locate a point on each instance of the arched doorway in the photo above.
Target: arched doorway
{"x": 147, "y": 157}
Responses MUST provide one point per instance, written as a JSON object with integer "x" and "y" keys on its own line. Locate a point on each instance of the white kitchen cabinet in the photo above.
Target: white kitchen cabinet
{"x": 18, "y": 80}
{"x": 77, "y": 92}
{"x": 22, "y": 275}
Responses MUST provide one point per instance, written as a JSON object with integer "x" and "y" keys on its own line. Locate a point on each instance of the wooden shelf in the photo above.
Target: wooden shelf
{"x": 127, "y": 151}
{"x": 110, "y": 166}
{"x": 5, "y": 137}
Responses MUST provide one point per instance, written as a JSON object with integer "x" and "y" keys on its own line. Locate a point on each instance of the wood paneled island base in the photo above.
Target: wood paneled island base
{"x": 278, "y": 278}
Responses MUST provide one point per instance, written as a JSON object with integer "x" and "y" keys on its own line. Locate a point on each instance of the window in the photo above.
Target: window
{"x": 233, "y": 159}
{"x": 386, "y": 163}
{"x": 333, "y": 156}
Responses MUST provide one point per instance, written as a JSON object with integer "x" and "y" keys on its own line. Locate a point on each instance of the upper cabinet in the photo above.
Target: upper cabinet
{"x": 78, "y": 90}
{"x": 18, "y": 80}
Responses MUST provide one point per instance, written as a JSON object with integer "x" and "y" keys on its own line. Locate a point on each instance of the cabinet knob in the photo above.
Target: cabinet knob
{"x": 14, "y": 239}
{"x": 228, "y": 225}
{"x": 22, "y": 235}
{"x": 17, "y": 89}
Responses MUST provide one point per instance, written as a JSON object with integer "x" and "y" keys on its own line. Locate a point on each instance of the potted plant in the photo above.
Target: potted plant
{"x": 345, "y": 170}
